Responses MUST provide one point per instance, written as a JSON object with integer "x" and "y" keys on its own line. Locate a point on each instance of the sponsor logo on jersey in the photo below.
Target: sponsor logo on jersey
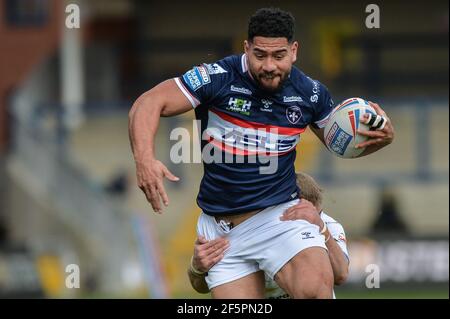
{"x": 266, "y": 105}
{"x": 288, "y": 99}
{"x": 240, "y": 90}
{"x": 197, "y": 77}
{"x": 293, "y": 114}
{"x": 250, "y": 138}
{"x": 239, "y": 105}
{"x": 338, "y": 139}
{"x": 315, "y": 91}
{"x": 258, "y": 141}
{"x": 215, "y": 68}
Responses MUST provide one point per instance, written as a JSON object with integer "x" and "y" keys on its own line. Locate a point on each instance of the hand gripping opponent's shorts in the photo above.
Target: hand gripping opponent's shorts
{"x": 261, "y": 242}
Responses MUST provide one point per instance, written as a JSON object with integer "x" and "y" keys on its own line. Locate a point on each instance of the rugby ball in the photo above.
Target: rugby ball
{"x": 343, "y": 123}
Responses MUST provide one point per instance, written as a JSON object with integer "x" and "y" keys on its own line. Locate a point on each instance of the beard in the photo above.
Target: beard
{"x": 260, "y": 78}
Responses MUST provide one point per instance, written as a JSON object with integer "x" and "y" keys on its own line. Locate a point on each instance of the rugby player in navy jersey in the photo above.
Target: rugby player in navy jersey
{"x": 252, "y": 108}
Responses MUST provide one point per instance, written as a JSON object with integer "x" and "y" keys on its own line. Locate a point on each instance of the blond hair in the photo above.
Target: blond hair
{"x": 309, "y": 189}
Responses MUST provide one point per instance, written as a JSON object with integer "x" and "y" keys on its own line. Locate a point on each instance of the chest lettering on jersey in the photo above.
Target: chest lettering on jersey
{"x": 259, "y": 141}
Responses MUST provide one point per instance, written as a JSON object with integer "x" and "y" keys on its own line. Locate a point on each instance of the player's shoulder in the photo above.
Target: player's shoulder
{"x": 225, "y": 67}
{"x": 301, "y": 78}
{"x": 213, "y": 74}
{"x": 304, "y": 83}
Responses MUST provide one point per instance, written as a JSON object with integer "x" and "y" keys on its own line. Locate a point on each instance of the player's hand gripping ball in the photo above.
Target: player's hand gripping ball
{"x": 341, "y": 129}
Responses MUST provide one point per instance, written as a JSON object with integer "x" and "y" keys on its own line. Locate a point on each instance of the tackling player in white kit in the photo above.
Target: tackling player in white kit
{"x": 207, "y": 253}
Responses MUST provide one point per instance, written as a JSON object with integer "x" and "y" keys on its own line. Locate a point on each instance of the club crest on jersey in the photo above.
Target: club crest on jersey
{"x": 239, "y": 105}
{"x": 293, "y": 114}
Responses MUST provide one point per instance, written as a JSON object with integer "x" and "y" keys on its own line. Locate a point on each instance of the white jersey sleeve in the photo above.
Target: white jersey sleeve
{"x": 336, "y": 231}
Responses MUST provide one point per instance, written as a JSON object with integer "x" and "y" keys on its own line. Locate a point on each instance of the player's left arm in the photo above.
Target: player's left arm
{"x": 322, "y": 110}
{"x": 319, "y": 132}
{"x": 381, "y": 135}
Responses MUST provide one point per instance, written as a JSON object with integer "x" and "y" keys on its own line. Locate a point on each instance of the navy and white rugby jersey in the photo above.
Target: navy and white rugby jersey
{"x": 243, "y": 128}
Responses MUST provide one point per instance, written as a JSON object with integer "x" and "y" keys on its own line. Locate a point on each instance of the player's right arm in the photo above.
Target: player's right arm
{"x": 165, "y": 99}
{"x": 338, "y": 259}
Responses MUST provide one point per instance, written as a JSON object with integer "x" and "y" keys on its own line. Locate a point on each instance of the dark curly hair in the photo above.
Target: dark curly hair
{"x": 271, "y": 23}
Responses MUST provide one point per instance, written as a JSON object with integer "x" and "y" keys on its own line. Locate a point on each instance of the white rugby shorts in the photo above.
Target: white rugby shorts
{"x": 261, "y": 242}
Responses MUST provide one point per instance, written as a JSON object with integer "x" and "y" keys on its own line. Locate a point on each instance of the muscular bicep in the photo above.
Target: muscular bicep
{"x": 319, "y": 132}
{"x": 171, "y": 98}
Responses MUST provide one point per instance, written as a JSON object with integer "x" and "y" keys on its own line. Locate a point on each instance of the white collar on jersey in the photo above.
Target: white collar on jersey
{"x": 244, "y": 63}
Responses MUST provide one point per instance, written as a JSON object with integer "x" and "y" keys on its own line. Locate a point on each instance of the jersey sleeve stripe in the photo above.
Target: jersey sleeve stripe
{"x": 186, "y": 93}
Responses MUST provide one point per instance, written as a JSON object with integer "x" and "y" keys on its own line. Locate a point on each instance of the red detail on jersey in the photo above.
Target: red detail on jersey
{"x": 247, "y": 124}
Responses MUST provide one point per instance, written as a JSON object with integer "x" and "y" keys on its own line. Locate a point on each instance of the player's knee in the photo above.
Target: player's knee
{"x": 340, "y": 278}
{"x": 320, "y": 286}
{"x": 318, "y": 291}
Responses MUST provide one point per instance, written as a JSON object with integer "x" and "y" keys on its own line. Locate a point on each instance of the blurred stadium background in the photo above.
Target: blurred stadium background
{"x": 68, "y": 193}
